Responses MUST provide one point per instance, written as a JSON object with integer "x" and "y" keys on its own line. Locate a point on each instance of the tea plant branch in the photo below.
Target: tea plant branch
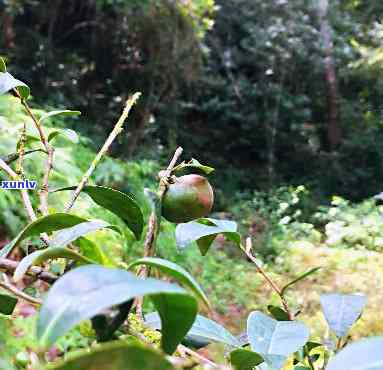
{"x": 248, "y": 251}
{"x": 118, "y": 128}
{"x": 18, "y": 293}
{"x": 21, "y": 151}
{"x": 44, "y": 191}
{"x": 199, "y": 357}
{"x": 153, "y": 223}
{"x": 14, "y": 156}
{"x": 24, "y": 193}
{"x": 37, "y": 272}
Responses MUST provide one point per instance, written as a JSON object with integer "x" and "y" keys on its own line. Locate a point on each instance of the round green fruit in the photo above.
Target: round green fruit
{"x": 188, "y": 198}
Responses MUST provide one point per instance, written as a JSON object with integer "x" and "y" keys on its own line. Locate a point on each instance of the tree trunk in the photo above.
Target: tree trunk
{"x": 334, "y": 132}
{"x": 8, "y": 30}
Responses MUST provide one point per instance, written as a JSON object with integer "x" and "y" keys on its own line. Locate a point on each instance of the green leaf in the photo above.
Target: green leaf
{"x": 7, "y": 304}
{"x": 278, "y": 313}
{"x": 243, "y": 359}
{"x": 117, "y": 202}
{"x": 301, "y": 368}
{"x": 67, "y": 133}
{"x": 275, "y": 340}
{"x": 194, "y": 164}
{"x": 174, "y": 270}
{"x": 93, "y": 251}
{"x": 312, "y": 345}
{"x": 204, "y": 232}
{"x": 3, "y": 67}
{"x": 88, "y": 290}
{"x": 38, "y": 257}
{"x": 342, "y": 310}
{"x": 70, "y": 234}
{"x": 45, "y": 224}
{"x": 54, "y": 113}
{"x": 366, "y": 354}
{"x": 177, "y": 316}
{"x": 300, "y": 277}
{"x": 8, "y": 82}
{"x": 118, "y": 355}
{"x": 203, "y": 331}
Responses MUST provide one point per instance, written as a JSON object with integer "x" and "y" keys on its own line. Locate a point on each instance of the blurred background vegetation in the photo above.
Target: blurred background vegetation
{"x": 283, "y": 98}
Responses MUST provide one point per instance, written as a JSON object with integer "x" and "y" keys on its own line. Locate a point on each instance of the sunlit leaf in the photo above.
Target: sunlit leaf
{"x": 275, "y": 340}
{"x": 203, "y": 331}
{"x": 88, "y": 290}
{"x": 8, "y": 83}
{"x": 366, "y": 354}
{"x": 38, "y": 257}
{"x": 204, "y": 231}
{"x": 45, "y": 224}
{"x": 175, "y": 271}
{"x": 342, "y": 310}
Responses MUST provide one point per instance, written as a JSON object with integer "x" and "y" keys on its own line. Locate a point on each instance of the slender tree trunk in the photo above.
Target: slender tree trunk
{"x": 334, "y": 132}
{"x": 8, "y": 30}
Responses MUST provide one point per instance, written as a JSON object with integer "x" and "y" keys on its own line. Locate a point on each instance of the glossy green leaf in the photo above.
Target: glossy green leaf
{"x": 55, "y": 113}
{"x": 7, "y": 304}
{"x": 38, "y": 257}
{"x": 194, "y": 164}
{"x": 243, "y": 359}
{"x": 175, "y": 271}
{"x": 3, "y": 67}
{"x": 204, "y": 231}
{"x": 278, "y": 313}
{"x": 300, "y": 277}
{"x": 118, "y": 355}
{"x": 8, "y": 83}
{"x": 274, "y": 339}
{"x": 366, "y": 354}
{"x": 70, "y": 234}
{"x": 67, "y": 133}
{"x": 203, "y": 331}
{"x": 342, "y": 310}
{"x": 88, "y": 290}
{"x": 121, "y": 204}
{"x": 45, "y": 224}
{"x": 177, "y": 313}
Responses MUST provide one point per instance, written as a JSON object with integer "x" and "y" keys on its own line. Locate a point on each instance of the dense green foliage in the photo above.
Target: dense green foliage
{"x": 253, "y": 83}
{"x": 282, "y": 97}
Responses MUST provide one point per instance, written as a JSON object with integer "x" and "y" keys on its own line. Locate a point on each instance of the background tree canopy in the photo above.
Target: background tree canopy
{"x": 275, "y": 92}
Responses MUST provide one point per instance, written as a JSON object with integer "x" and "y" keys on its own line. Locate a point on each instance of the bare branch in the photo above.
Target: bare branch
{"x": 112, "y": 136}
{"x": 18, "y": 293}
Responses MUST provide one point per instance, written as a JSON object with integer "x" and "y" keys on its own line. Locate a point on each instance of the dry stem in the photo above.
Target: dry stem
{"x": 112, "y": 136}
{"x": 18, "y": 293}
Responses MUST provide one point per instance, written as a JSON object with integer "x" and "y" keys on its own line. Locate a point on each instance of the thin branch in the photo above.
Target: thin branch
{"x": 199, "y": 357}
{"x": 14, "y": 156}
{"x": 21, "y": 151}
{"x": 18, "y": 293}
{"x": 24, "y": 193}
{"x": 112, "y": 136}
{"x": 44, "y": 191}
{"x": 153, "y": 224}
{"x": 260, "y": 270}
{"x": 37, "y": 272}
